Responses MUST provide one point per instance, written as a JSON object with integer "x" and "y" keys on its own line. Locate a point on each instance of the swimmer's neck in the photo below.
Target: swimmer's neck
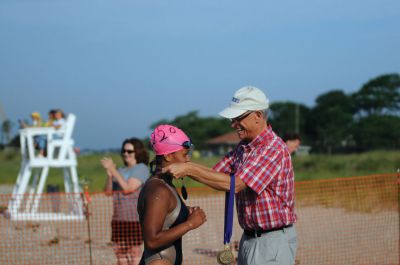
{"x": 167, "y": 177}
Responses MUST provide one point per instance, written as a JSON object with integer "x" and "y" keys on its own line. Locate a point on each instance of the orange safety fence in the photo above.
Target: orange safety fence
{"x": 341, "y": 221}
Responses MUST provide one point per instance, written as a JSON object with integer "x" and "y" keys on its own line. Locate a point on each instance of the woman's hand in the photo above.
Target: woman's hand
{"x": 108, "y": 164}
{"x": 196, "y": 218}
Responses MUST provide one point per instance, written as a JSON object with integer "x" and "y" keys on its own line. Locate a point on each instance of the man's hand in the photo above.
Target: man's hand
{"x": 177, "y": 170}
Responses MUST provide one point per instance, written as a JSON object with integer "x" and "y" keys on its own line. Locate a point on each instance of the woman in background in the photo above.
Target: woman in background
{"x": 124, "y": 184}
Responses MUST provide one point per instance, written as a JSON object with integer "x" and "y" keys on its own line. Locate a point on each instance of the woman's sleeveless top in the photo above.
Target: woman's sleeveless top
{"x": 173, "y": 253}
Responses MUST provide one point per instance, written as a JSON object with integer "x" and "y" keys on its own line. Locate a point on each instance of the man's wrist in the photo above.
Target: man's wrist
{"x": 188, "y": 169}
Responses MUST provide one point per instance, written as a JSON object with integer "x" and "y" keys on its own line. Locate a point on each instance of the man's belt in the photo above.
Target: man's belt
{"x": 258, "y": 233}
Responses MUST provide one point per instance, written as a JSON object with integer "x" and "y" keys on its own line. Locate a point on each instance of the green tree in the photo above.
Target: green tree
{"x": 329, "y": 122}
{"x": 377, "y": 104}
{"x": 379, "y": 96}
{"x": 377, "y": 132}
{"x": 6, "y": 128}
{"x": 288, "y": 117}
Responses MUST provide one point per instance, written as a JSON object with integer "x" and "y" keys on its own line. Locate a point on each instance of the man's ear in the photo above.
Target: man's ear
{"x": 262, "y": 115}
{"x": 259, "y": 115}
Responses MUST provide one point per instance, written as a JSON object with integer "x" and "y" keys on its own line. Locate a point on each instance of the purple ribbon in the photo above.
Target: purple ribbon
{"x": 229, "y": 198}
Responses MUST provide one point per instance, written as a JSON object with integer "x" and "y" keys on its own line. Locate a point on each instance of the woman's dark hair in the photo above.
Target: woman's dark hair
{"x": 141, "y": 154}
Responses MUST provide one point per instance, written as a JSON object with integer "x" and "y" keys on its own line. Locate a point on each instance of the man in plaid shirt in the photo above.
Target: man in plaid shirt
{"x": 264, "y": 182}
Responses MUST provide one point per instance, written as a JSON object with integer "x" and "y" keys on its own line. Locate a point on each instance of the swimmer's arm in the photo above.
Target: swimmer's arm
{"x": 159, "y": 202}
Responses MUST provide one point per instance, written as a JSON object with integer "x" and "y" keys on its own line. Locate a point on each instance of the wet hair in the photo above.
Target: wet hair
{"x": 156, "y": 165}
{"x": 291, "y": 136}
{"x": 141, "y": 154}
{"x": 156, "y": 170}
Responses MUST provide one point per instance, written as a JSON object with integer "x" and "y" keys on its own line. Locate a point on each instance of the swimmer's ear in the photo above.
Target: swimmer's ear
{"x": 168, "y": 157}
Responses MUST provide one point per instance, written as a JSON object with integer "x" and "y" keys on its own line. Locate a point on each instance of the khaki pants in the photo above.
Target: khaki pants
{"x": 277, "y": 247}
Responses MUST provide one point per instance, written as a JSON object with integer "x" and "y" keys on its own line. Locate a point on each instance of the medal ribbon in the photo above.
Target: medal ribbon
{"x": 229, "y": 198}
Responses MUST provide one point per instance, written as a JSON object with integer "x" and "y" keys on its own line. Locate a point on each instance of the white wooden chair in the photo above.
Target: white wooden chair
{"x": 25, "y": 200}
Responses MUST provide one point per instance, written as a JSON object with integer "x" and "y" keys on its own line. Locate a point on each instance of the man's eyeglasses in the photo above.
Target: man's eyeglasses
{"x": 241, "y": 117}
{"x": 127, "y": 151}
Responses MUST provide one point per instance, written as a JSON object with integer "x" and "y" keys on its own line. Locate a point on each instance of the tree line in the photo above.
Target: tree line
{"x": 367, "y": 119}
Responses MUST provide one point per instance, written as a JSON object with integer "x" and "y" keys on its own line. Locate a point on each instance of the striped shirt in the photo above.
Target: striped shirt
{"x": 265, "y": 166}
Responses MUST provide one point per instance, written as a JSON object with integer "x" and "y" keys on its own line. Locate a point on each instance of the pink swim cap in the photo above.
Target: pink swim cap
{"x": 166, "y": 139}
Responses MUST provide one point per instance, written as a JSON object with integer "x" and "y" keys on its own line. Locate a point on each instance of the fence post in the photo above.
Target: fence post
{"x": 398, "y": 205}
{"x": 87, "y": 201}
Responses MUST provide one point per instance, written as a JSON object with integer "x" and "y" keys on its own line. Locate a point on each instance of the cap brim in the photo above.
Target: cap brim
{"x": 231, "y": 113}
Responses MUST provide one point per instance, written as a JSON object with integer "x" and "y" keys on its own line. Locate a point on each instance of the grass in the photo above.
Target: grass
{"x": 363, "y": 194}
{"x": 310, "y": 167}
{"x": 334, "y": 166}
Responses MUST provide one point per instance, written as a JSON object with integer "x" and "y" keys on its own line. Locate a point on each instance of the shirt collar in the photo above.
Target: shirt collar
{"x": 264, "y": 137}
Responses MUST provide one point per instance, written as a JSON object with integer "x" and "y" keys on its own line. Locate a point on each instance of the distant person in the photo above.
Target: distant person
{"x": 124, "y": 184}
{"x": 36, "y": 121}
{"x": 163, "y": 215}
{"x": 59, "y": 119}
{"x": 264, "y": 181}
{"x": 292, "y": 141}
{"x": 39, "y": 140}
{"x": 51, "y": 117}
{"x": 58, "y": 123}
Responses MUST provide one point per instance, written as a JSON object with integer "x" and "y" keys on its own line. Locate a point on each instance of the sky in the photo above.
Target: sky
{"x": 121, "y": 65}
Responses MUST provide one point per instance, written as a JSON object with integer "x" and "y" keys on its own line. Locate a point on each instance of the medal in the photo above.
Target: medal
{"x": 225, "y": 256}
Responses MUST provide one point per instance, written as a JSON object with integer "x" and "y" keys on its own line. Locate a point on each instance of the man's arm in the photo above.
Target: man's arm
{"x": 205, "y": 175}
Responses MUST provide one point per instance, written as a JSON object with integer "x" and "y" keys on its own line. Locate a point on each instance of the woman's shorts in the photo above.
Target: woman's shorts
{"x": 127, "y": 232}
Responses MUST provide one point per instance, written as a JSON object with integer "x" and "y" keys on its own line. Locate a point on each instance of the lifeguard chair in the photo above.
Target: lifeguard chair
{"x": 27, "y": 193}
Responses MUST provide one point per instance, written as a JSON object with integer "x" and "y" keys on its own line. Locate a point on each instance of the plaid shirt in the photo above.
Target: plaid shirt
{"x": 265, "y": 166}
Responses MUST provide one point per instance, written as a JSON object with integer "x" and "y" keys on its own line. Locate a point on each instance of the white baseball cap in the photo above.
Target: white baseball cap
{"x": 245, "y": 99}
